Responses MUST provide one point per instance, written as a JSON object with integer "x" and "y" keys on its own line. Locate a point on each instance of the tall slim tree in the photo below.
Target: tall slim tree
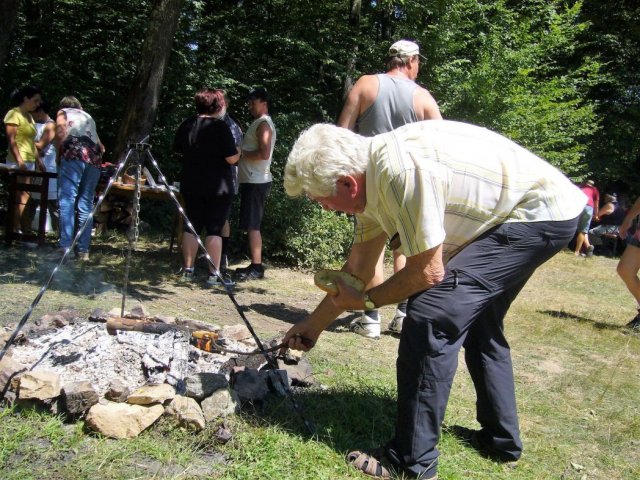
{"x": 142, "y": 103}
{"x": 9, "y": 9}
{"x": 355, "y": 11}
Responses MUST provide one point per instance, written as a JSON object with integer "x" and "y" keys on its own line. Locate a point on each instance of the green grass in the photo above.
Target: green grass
{"x": 576, "y": 370}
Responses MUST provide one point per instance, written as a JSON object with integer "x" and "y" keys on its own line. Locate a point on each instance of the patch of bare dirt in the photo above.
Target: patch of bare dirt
{"x": 271, "y": 304}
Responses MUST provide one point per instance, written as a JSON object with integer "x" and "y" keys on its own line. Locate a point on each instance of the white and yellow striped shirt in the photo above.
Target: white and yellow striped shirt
{"x": 442, "y": 182}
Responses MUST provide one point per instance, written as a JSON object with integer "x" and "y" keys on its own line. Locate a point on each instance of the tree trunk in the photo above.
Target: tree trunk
{"x": 141, "y": 106}
{"x": 9, "y": 9}
{"x": 355, "y": 11}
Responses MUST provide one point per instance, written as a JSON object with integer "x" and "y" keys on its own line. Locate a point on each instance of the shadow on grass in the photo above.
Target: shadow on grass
{"x": 349, "y": 418}
{"x": 292, "y": 315}
{"x": 104, "y": 271}
{"x": 566, "y": 315}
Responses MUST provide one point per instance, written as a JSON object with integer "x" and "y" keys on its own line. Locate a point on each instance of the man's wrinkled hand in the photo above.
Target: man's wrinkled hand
{"x": 348, "y": 298}
{"x": 299, "y": 337}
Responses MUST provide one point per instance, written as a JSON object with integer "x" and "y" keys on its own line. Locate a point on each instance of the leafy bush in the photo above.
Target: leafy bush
{"x": 309, "y": 236}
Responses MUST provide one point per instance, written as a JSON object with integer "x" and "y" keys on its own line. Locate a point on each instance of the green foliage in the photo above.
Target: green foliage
{"x": 82, "y": 48}
{"x": 512, "y": 69}
{"x": 575, "y": 368}
{"x": 614, "y": 39}
{"x": 312, "y": 237}
{"x": 559, "y": 77}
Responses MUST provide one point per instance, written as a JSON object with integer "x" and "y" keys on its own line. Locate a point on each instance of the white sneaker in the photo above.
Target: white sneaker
{"x": 396, "y": 323}
{"x": 366, "y": 326}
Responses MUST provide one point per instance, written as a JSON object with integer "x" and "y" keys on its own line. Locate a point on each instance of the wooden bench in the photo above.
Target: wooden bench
{"x": 16, "y": 184}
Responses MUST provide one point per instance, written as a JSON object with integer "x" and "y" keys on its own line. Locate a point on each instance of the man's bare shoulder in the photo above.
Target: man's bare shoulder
{"x": 425, "y": 105}
{"x": 366, "y": 83}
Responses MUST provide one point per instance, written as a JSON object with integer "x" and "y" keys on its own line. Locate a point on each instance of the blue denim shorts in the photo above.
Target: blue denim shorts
{"x": 585, "y": 219}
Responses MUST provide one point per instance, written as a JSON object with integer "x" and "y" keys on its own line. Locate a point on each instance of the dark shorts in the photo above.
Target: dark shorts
{"x": 253, "y": 199}
{"x": 207, "y": 210}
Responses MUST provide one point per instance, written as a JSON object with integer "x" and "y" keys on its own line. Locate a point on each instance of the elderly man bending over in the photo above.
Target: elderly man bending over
{"x": 475, "y": 214}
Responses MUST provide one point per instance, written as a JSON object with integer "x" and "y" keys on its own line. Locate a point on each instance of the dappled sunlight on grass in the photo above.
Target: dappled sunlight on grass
{"x": 575, "y": 367}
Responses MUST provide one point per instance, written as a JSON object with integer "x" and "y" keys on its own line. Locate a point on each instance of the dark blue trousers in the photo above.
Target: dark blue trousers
{"x": 467, "y": 310}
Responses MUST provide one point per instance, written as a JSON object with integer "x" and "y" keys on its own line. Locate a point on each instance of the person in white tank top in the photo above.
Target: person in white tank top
{"x": 254, "y": 176}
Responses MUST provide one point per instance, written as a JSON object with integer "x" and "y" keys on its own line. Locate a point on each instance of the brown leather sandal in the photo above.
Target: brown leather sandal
{"x": 368, "y": 464}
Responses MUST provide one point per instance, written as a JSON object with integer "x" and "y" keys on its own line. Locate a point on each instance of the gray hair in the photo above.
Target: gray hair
{"x": 70, "y": 102}
{"x": 323, "y": 154}
{"x": 398, "y": 62}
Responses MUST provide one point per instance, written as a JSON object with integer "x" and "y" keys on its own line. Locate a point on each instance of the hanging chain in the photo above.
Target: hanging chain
{"x": 134, "y": 230}
{"x": 136, "y": 206}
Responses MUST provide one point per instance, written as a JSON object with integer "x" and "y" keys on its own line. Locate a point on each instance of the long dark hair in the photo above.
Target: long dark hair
{"x": 18, "y": 95}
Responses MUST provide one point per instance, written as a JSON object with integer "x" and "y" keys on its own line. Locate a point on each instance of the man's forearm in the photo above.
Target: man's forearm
{"x": 400, "y": 286}
{"x": 421, "y": 272}
{"x": 325, "y": 314}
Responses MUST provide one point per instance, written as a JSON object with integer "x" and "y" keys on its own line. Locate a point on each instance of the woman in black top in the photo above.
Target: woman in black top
{"x": 208, "y": 152}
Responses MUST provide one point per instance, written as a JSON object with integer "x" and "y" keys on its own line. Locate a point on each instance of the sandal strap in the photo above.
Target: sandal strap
{"x": 367, "y": 464}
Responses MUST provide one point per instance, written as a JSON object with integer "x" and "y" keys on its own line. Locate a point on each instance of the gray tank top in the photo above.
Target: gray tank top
{"x": 392, "y": 108}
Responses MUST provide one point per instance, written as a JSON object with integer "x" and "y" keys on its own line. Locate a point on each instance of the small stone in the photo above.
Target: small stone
{"x": 149, "y": 394}
{"x": 223, "y": 435}
{"x": 138, "y": 311}
{"x": 187, "y": 411}
{"x": 79, "y": 397}
{"x": 118, "y": 391}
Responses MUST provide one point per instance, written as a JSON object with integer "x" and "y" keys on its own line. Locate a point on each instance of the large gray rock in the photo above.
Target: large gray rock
{"x": 221, "y": 403}
{"x": 202, "y": 385}
{"x": 299, "y": 373}
{"x": 121, "y": 420}
{"x": 277, "y": 380}
{"x": 149, "y": 394}
{"x": 250, "y": 386}
{"x": 79, "y": 397}
{"x": 39, "y": 385}
{"x": 187, "y": 411}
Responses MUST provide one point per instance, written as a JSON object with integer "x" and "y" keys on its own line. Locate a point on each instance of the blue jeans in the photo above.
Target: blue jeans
{"x": 77, "y": 183}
